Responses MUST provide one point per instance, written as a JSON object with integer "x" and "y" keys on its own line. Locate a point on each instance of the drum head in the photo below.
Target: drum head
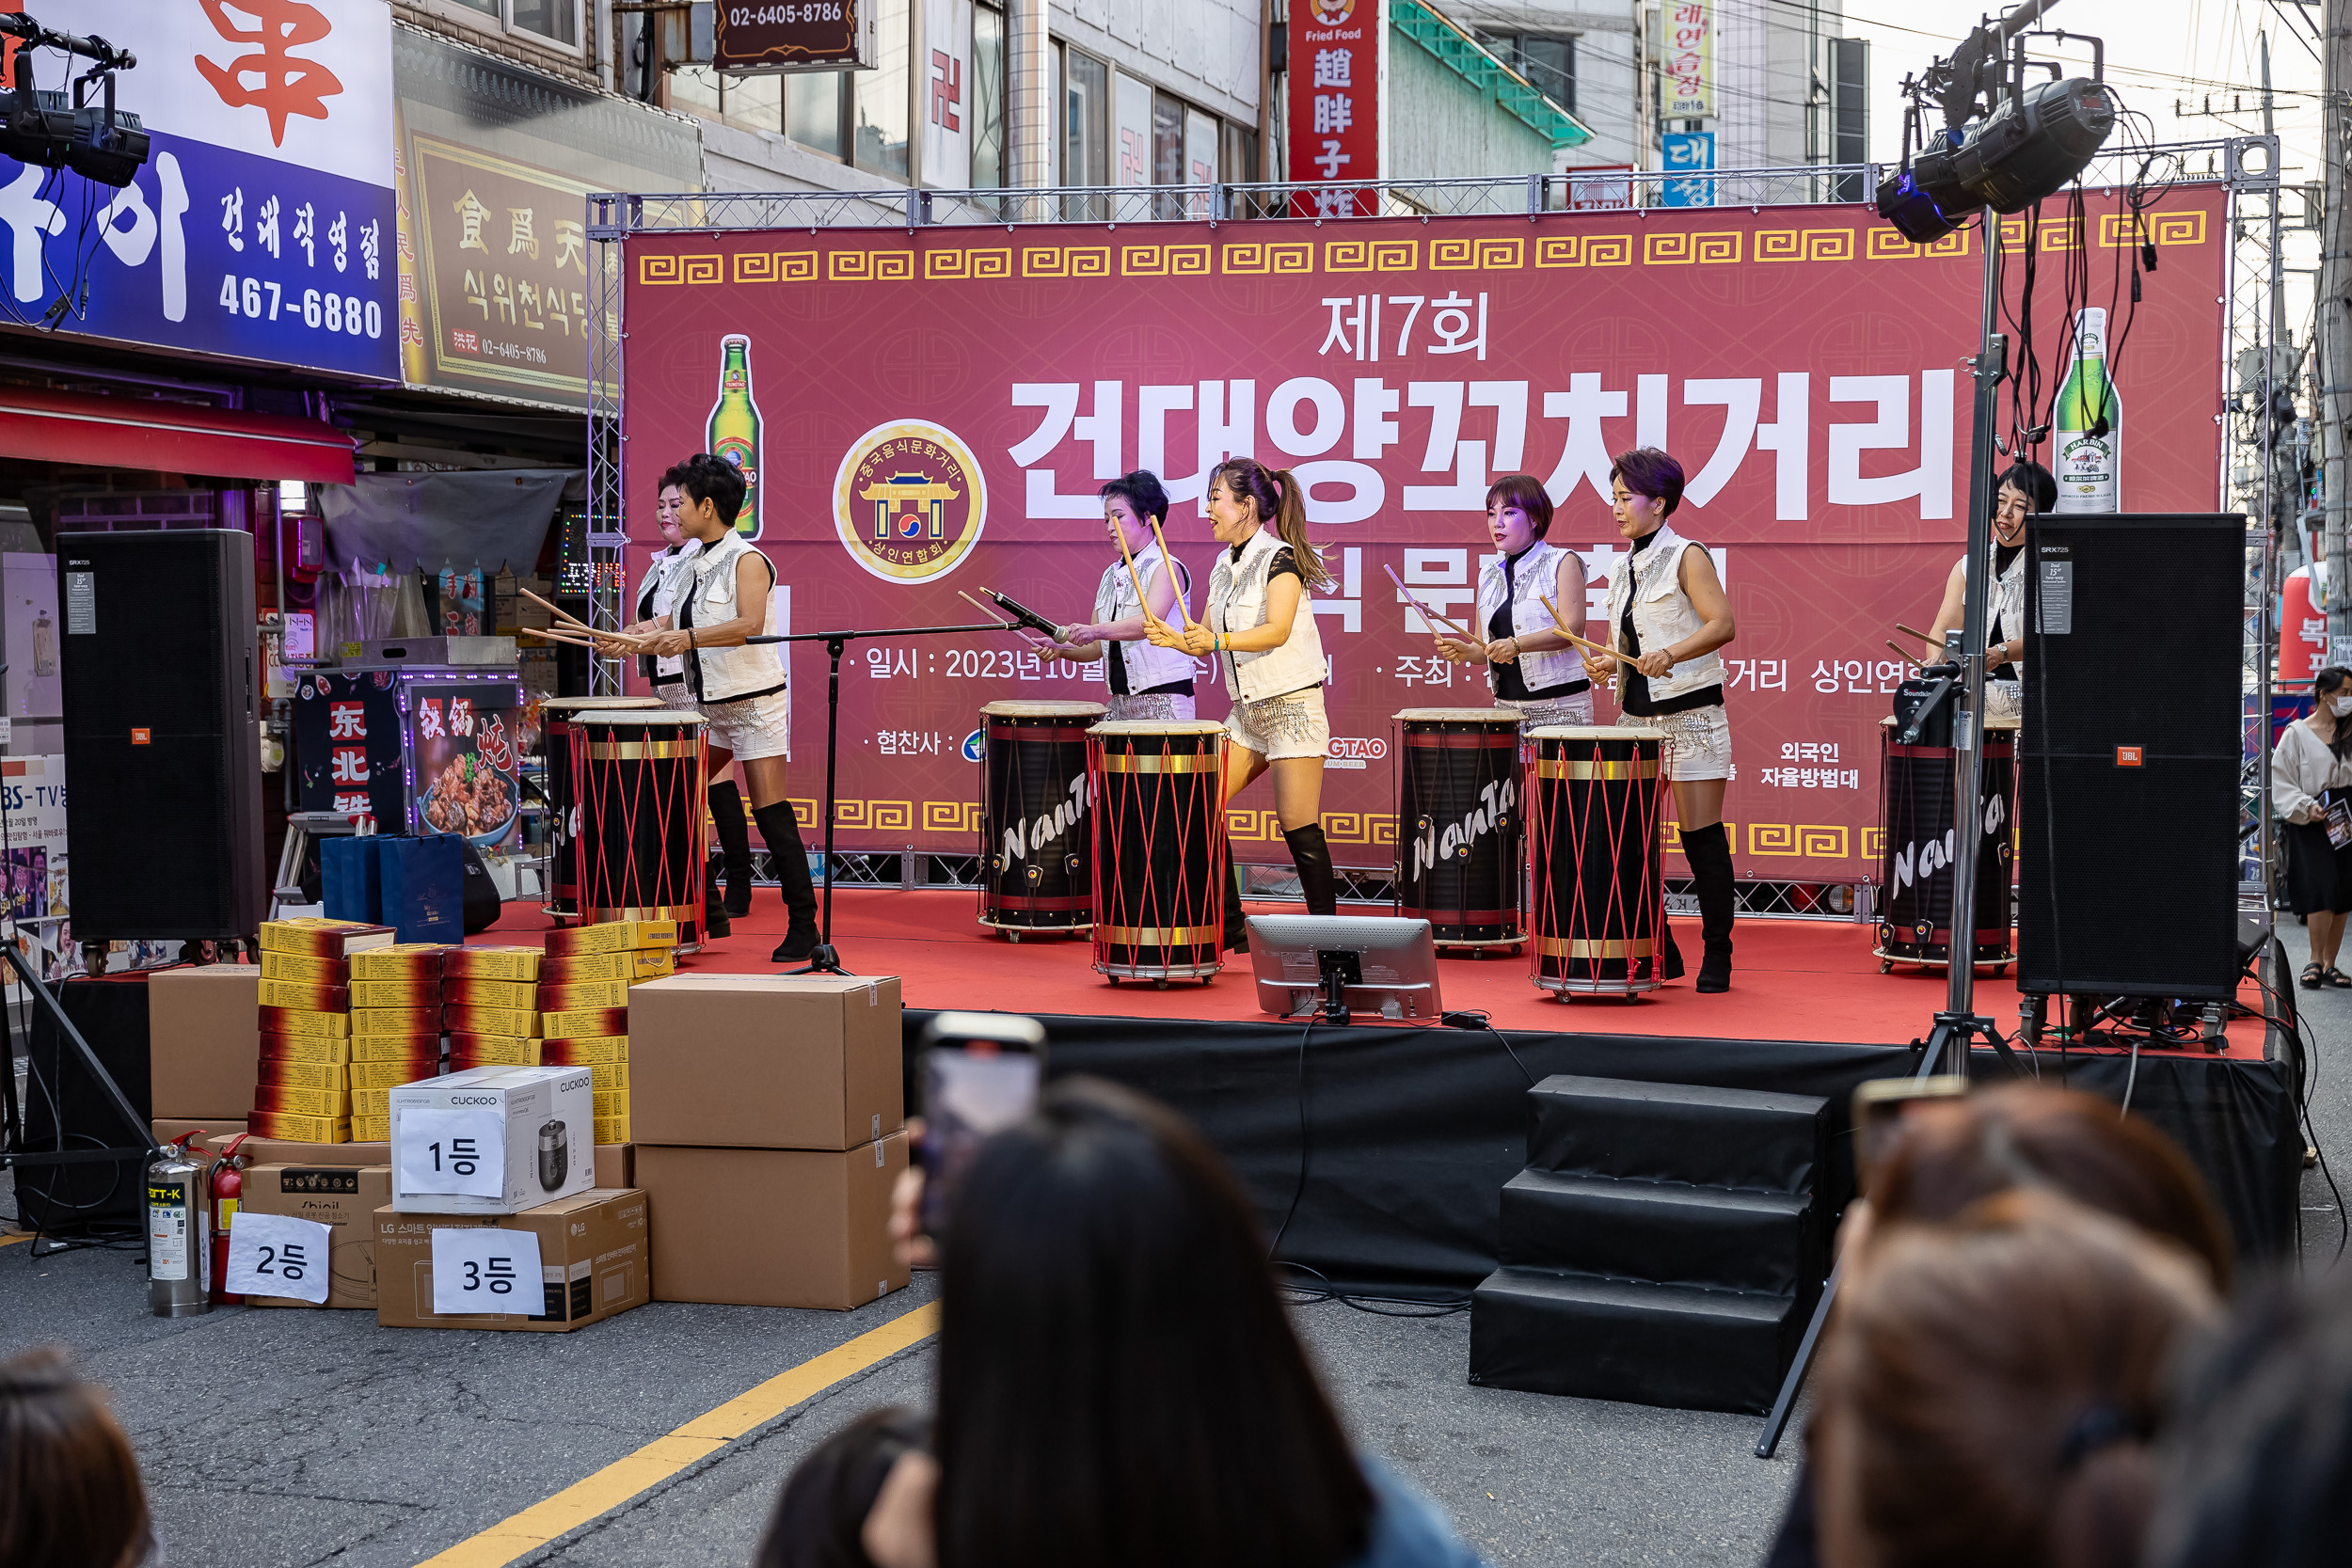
{"x": 1458, "y": 716}
{"x": 685, "y": 718}
{"x": 1594, "y": 732}
{"x": 574, "y": 704}
{"x": 1044, "y": 710}
{"x": 1158, "y": 726}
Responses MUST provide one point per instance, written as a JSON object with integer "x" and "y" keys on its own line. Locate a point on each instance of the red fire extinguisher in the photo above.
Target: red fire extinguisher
{"x": 225, "y": 1187}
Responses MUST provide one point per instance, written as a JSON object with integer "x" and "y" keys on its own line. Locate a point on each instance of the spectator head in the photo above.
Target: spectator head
{"x": 2257, "y": 1469}
{"x": 1950, "y": 1153}
{"x": 707, "y": 477}
{"x": 1119, "y": 1382}
{"x": 1990, "y": 1384}
{"x": 821, "y": 1514}
{"x": 70, "y": 1490}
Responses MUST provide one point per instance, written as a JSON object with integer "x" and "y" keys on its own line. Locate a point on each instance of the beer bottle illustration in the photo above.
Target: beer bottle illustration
{"x": 735, "y": 426}
{"x": 2090, "y": 423}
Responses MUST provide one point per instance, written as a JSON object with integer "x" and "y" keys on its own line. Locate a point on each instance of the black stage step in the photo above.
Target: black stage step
{"x": 1684, "y": 1132}
{"x": 1672, "y": 1345}
{"x": 1670, "y": 1233}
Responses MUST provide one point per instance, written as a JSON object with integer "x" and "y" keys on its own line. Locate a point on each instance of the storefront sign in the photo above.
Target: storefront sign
{"x": 261, "y": 226}
{"x": 1337, "y": 66}
{"x": 794, "y": 35}
{"x": 1690, "y": 59}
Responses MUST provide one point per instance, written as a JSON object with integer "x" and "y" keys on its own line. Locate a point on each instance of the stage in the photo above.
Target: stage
{"x": 1414, "y": 1131}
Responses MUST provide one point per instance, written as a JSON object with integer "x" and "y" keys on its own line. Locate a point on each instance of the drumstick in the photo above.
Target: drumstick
{"x": 1584, "y": 642}
{"x": 1426, "y": 613}
{"x": 1899, "y": 649}
{"x": 1168, "y": 565}
{"x": 558, "y": 611}
{"x": 1914, "y": 631}
{"x": 990, "y": 613}
{"x": 1125, "y": 555}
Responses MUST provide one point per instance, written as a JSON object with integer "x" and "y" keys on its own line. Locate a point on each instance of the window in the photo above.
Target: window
{"x": 695, "y": 88}
{"x": 1167, "y": 141}
{"x": 987, "y": 97}
{"x": 755, "y": 101}
{"x": 812, "y": 111}
{"x": 1085, "y": 113}
{"x": 1548, "y": 61}
{"x": 551, "y": 19}
{"x": 1241, "y": 153}
{"x": 1131, "y": 127}
{"x": 881, "y": 99}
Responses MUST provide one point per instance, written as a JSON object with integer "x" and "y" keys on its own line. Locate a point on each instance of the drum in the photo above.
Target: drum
{"x": 1598, "y": 909}
{"x": 1036, "y": 858}
{"x": 638, "y": 777}
{"x": 555, "y": 749}
{"x": 1918, "y": 840}
{"x": 1159, "y": 840}
{"x": 1458, "y": 850}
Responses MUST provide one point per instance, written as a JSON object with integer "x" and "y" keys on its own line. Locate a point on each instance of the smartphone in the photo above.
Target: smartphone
{"x": 981, "y": 1073}
{"x": 1880, "y": 1105}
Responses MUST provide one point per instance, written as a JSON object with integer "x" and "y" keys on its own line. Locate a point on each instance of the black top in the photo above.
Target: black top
{"x": 1510, "y": 685}
{"x": 2002, "y": 556}
{"x": 695, "y": 666}
{"x": 1633, "y": 686}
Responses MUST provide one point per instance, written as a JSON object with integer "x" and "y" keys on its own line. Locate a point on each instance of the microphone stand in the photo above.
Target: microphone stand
{"x": 826, "y": 960}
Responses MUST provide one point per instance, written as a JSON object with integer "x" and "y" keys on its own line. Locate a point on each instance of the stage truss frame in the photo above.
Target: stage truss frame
{"x": 2247, "y": 480}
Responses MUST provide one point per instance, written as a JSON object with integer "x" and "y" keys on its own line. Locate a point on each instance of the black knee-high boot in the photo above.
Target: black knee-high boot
{"x": 735, "y": 844}
{"x": 1709, "y": 850}
{"x": 782, "y": 830}
{"x": 1316, "y": 879}
{"x": 714, "y": 908}
{"x": 1236, "y": 918}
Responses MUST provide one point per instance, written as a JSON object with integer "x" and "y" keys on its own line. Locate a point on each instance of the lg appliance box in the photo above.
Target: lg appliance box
{"x": 492, "y": 1140}
{"x": 592, "y": 1264}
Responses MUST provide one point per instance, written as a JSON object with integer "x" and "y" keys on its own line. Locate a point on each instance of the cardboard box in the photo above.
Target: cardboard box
{"x": 520, "y": 1022}
{"x": 320, "y": 938}
{"x": 343, "y": 1197}
{"x": 765, "y": 1061}
{"x": 414, "y": 1023}
{"x": 408, "y": 991}
{"x": 305, "y": 1047}
{"x": 395, "y": 1047}
{"x": 466, "y": 1051}
{"x": 279, "y": 1098}
{"x": 373, "y": 1129}
{"x": 282, "y": 1072}
{"x": 581, "y": 1052}
{"x": 584, "y": 1021}
{"x": 299, "y": 1129}
{"x": 294, "y": 1020}
{"x": 464, "y": 991}
{"x": 306, "y": 996}
{"x": 616, "y": 1165}
{"x": 592, "y": 1261}
{"x": 582, "y": 996}
{"x": 540, "y": 1105}
{"x": 402, "y": 960}
{"x": 773, "y": 1228}
{"x": 637, "y": 964}
{"x": 309, "y": 971}
{"x": 494, "y": 963}
{"x": 612, "y": 1129}
{"x": 264, "y": 1150}
{"x": 203, "y": 1024}
{"x": 391, "y": 1075}
{"x": 616, "y": 936}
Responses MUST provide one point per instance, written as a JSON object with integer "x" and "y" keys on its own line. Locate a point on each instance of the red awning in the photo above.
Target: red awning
{"x": 168, "y": 437}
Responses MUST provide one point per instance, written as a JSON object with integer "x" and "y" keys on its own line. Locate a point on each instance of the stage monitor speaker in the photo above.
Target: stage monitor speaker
{"x": 162, "y": 691}
{"x": 61, "y": 1095}
{"x": 2129, "y": 760}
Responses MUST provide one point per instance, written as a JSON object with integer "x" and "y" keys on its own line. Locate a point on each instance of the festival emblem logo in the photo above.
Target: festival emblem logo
{"x": 908, "y": 502}
{"x": 1330, "y": 13}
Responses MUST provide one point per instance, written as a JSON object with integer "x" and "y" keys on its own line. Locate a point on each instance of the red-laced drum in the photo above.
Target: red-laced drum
{"x": 638, "y": 777}
{"x": 1159, "y": 838}
{"x": 1598, "y": 909}
{"x": 1458, "y": 850}
{"x": 1918, "y": 839}
{"x": 555, "y": 747}
{"x": 1036, "y": 842}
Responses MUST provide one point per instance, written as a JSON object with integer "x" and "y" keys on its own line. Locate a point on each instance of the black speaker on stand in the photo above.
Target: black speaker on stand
{"x": 2129, "y": 757}
{"x": 162, "y": 693}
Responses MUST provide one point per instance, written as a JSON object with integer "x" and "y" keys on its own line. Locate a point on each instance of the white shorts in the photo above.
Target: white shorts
{"x": 1698, "y": 741}
{"x": 676, "y": 695}
{"x": 1148, "y": 708}
{"x": 2004, "y": 700}
{"x": 1281, "y": 728}
{"x": 752, "y": 727}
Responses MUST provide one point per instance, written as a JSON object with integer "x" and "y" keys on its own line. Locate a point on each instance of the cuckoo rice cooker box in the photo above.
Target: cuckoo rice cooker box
{"x": 492, "y": 1140}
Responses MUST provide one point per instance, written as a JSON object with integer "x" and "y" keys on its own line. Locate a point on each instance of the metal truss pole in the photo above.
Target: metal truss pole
{"x": 608, "y": 522}
{"x": 2249, "y": 476}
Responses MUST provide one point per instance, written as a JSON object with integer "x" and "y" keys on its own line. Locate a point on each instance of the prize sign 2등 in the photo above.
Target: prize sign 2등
{"x": 940, "y": 408}
{"x": 262, "y": 227}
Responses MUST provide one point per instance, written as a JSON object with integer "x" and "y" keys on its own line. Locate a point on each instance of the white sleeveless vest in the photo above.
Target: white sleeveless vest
{"x": 708, "y": 580}
{"x": 1148, "y": 665}
{"x": 1663, "y": 612}
{"x": 1536, "y": 576}
{"x": 1237, "y": 591}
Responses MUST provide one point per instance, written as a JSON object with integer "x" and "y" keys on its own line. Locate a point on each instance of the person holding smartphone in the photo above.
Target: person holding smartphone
{"x": 1145, "y": 681}
{"x": 2311, "y": 769}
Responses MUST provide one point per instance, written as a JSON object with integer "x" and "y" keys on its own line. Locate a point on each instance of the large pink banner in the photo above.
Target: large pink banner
{"x": 937, "y": 407}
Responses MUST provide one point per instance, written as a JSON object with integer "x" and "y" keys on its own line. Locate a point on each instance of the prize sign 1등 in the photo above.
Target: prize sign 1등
{"x": 263, "y": 225}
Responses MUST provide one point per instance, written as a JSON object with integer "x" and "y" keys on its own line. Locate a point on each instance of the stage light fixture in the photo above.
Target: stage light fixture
{"x": 49, "y": 130}
{"x": 110, "y": 144}
{"x": 2034, "y": 142}
{"x": 1924, "y": 200}
{"x": 35, "y": 127}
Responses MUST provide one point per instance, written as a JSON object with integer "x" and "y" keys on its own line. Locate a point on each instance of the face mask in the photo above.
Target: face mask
{"x": 2339, "y": 706}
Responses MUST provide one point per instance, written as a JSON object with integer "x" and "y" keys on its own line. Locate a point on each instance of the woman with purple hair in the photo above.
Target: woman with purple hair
{"x": 1667, "y": 616}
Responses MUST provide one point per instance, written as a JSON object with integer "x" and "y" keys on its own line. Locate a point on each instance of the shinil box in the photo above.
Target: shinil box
{"x": 344, "y": 1198}
{"x": 593, "y": 1263}
{"x": 534, "y": 1127}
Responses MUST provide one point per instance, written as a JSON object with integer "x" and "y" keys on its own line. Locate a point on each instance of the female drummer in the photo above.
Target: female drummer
{"x": 656, "y": 590}
{"x": 722, "y": 598}
{"x": 2314, "y": 756}
{"x": 1528, "y": 667}
{"x": 1260, "y": 627}
{"x": 1667, "y": 615}
{"x": 1145, "y": 681}
{"x": 2023, "y": 490}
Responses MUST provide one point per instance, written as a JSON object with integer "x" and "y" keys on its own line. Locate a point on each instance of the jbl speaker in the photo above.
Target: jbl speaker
{"x": 162, "y": 691}
{"x": 61, "y": 1098}
{"x": 2128, "y": 763}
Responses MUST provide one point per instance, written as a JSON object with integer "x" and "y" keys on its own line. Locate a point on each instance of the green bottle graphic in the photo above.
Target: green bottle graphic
{"x": 2090, "y": 424}
{"x": 735, "y": 426}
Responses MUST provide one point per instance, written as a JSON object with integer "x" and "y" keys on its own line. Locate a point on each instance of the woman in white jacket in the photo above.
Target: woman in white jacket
{"x": 2312, "y": 758}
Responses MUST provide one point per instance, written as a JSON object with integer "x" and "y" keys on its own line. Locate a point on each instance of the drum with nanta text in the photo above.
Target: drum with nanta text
{"x": 1459, "y": 841}
{"x": 1919, "y": 841}
{"x": 1036, "y": 849}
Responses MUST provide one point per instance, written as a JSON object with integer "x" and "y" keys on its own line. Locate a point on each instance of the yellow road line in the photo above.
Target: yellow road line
{"x": 666, "y": 1456}
{"x": 10, "y": 1238}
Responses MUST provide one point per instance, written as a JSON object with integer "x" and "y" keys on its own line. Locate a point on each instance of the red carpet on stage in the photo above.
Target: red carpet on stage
{"x": 1792, "y": 980}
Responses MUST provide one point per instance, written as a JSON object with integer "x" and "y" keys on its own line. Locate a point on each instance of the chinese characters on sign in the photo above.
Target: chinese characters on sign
{"x": 1335, "y": 50}
{"x": 503, "y": 257}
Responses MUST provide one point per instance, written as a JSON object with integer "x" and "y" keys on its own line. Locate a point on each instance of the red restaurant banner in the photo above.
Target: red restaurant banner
{"x": 937, "y": 407}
